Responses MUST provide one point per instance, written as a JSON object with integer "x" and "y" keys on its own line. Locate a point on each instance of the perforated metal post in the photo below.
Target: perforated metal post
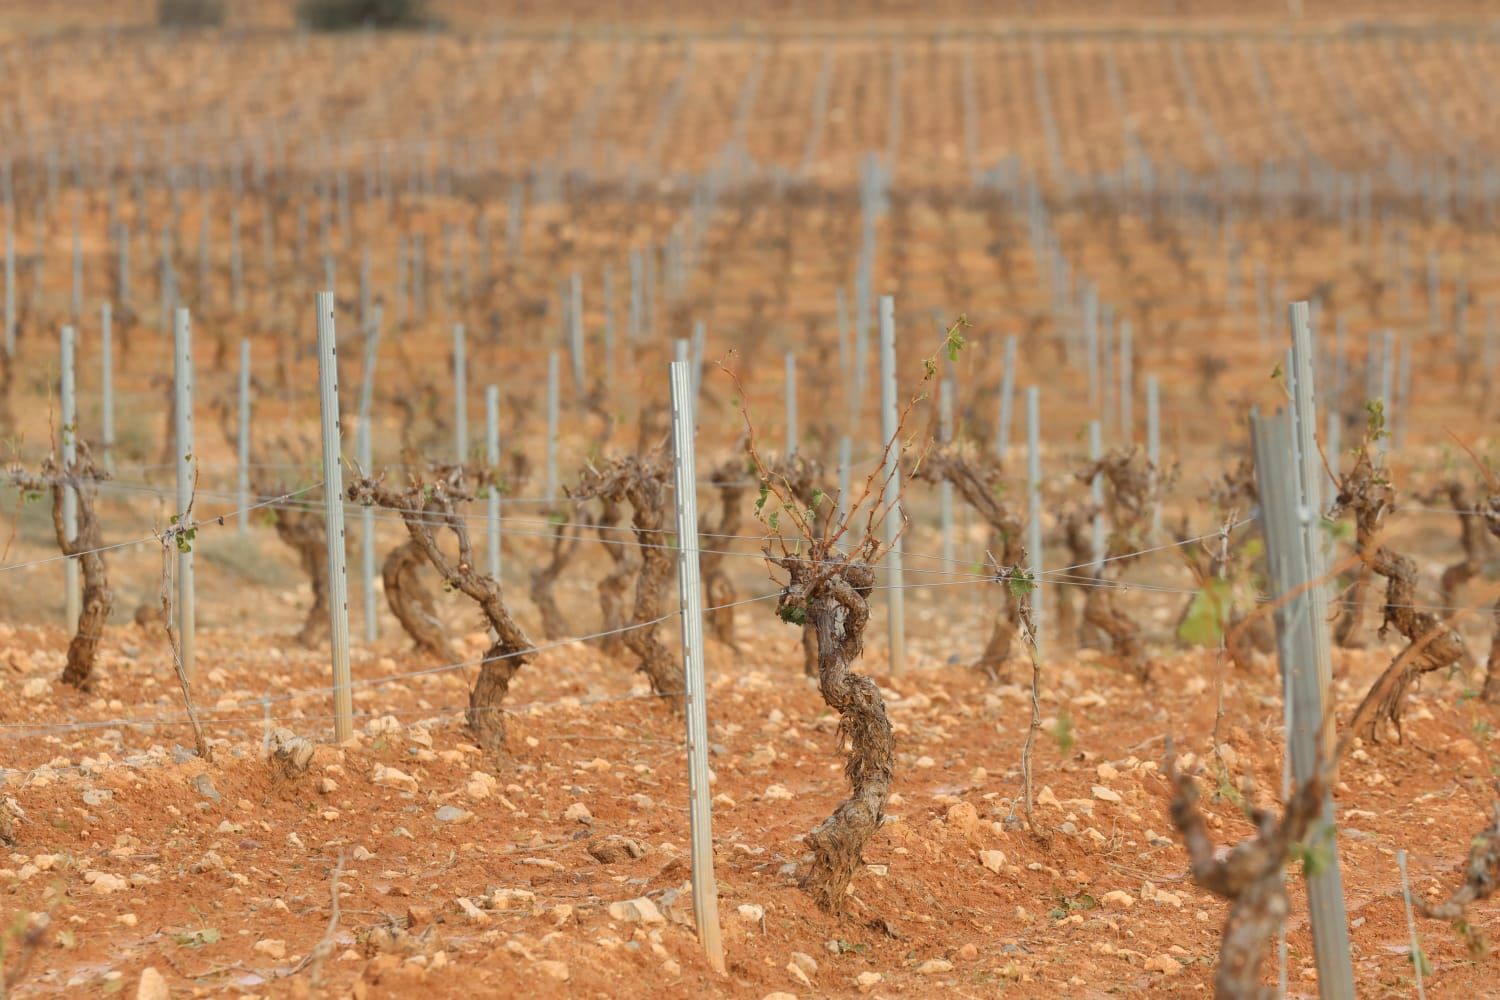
{"x": 186, "y": 462}
{"x": 1302, "y": 642}
{"x": 333, "y": 506}
{"x": 575, "y": 335}
{"x": 1096, "y": 497}
{"x": 107, "y": 386}
{"x": 1034, "y": 507}
{"x": 690, "y": 589}
{"x": 553, "y": 378}
{"x": 791, "y": 404}
{"x": 891, "y": 473}
{"x": 1007, "y": 397}
{"x": 242, "y": 451}
{"x": 365, "y": 455}
{"x": 10, "y": 287}
{"x": 460, "y": 396}
{"x": 945, "y": 488}
{"x": 492, "y": 457}
{"x": 1153, "y": 439}
{"x": 73, "y": 600}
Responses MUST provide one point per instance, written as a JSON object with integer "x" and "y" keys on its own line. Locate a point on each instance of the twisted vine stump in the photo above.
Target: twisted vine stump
{"x": 565, "y": 537}
{"x": 1480, "y": 882}
{"x": 1491, "y": 511}
{"x": 1233, "y": 561}
{"x": 977, "y": 476}
{"x": 615, "y": 585}
{"x": 411, "y": 602}
{"x": 1473, "y": 537}
{"x": 798, "y": 478}
{"x": 1252, "y": 877}
{"x": 831, "y": 594}
{"x": 83, "y": 476}
{"x": 642, "y": 482}
{"x": 426, "y": 509}
{"x": 1366, "y": 492}
{"x": 729, "y": 479}
{"x": 1131, "y": 492}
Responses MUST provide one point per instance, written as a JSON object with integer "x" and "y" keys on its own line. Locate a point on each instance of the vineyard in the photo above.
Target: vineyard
{"x": 856, "y": 500}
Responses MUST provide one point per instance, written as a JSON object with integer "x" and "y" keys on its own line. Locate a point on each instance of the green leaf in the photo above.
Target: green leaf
{"x": 955, "y": 344}
{"x": 760, "y": 501}
{"x": 1062, "y": 732}
{"x": 1203, "y": 625}
{"x": 197, "y": 938}
{"x": 774, "y": 520}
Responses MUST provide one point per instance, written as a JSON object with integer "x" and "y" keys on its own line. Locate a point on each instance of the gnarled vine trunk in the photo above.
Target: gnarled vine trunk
{"x": 545, "y": 576}
{"x": 84, "y": 545}
{"x": 411, "y": 602}
{"x": 835, "y": 603}
{"x": 425, "y": 509}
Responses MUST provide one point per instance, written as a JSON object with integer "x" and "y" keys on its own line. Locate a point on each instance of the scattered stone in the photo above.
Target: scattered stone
{"x": 103, "y": 883}
{"x": 777, "y": 793}
{"x": 152, "y": 985}
{"x": 97, "y": 796}
{"x": 993, "y": 860}
{"x": 934, "y": 966}
{"x": 1047, "y": 797}
{"x": 36, "y": 687}
{"x": 1164, "y": 964}
{"x": 614, "y": 849}
{"x": 579, "y": 813}
{"x": 968, "y": 952}
{"x": 1117, "y": 899}
{"x": 867, "y": 981}
{"x": 204, "y": 786}
{"x": 925, "y": 762}
{"x": 361, "y": 853}
{"x": 453, "y": 814}
{"x": 472, "y": 913}
{"x": 752, "y": 913}
{"x": 393, "y": 777}
{"x": 781, "y": 994}
{"x": 479, "y": 786}
{"x": 636, "y": 911}
{"x": 272, "y": 948}
{"x": 1106, "y": 794}
{"x": 1106, "y": 772}
{"x": 805, "y": 962}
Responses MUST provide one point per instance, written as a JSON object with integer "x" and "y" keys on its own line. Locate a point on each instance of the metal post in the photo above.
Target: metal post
{"x": 1034, "y": 507}
{"x": 333, "y": 505}
{"x": 242, "y": 464}
{"x": 1302, "y": 641}
{"x": 492, "y": 456}
{"x": 611, "y": 356}
{"x": 460, "y": 396}
{"x": 553, "y": 379}
{"x": 1007, "y": 397}
{"x": 846, "y": 447}
{"x": 945, "y": 488}
{"x": 1127, "y": 382}
{"x": 791, "y": 403}
{"x": 705, "y": 890}
{"x": 10, "y": 288}
{"x": 890, "y": 435}
{"x": 575, "y": 333}
{"x": 365, "y": 455}
{"x": 1096, "y": 497}
{"x": 107, "y": 385}
{"x": 186, "y": 461}
{"x": 1153, "y": 440}
{"x": 73, "y": 602}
